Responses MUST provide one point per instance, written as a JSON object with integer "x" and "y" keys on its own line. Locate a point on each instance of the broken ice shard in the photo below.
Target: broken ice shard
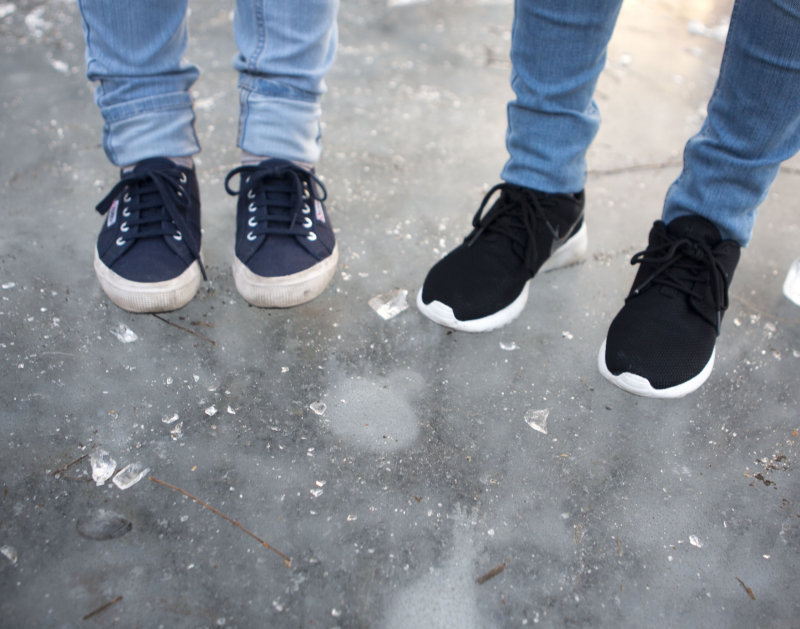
{"x": 537, "y": 419}
{"x": 791, "y": 286}
{"x": 129, "y": 475}
{"x": 124, "y": 334}
{"x": 389, "y": 305}
{"x": 103, "y": 466}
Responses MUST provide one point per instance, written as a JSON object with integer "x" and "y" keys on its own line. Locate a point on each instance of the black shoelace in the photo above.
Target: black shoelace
{"x": 514, "y": 215}
{"x": 687, "y": 266}
{"x": 280, "y": 196}
{"x": 153, "y": 206}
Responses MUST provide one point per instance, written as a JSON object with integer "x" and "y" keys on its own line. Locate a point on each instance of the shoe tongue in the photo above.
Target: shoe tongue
{"x": 695, "y": 228}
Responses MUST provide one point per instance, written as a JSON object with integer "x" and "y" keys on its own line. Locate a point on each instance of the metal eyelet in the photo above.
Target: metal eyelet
{"x": 121, "y": 241}
{"x": 183, "y": 178}
{"x": 251, "y": 207}
{"x": 251, "y": 194}
{"x": 126, "y": 212}
{"x": 251, "y": 236}
{"x": 252, "y": 222}
{"x": 306, "y": 209}
{"x": 178, "y": 236}
{"x": 312, "y": 236}
{"x": 127, "y": 198}
{"x": 124, "y": 227}
{"x": 307, "y": 223}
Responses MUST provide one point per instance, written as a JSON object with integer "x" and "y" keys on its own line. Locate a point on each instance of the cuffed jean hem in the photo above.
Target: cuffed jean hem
{"x": 157, "y": 126}
{"x": 278, "y": 127}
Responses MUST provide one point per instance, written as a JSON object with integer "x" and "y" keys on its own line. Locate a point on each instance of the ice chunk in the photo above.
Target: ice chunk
{"x": 695, "y": 541}
{"x": 129, "y": 475}
{"x": 318, "y": 407}
{"x": 10, "y": 553}
{"x": 103, "y": 466}
{"x": 124, "y": 334}
{"x": 389, "y": 305}
{"x": 177, "y": 431}
{"x": 170, "y": 419}
{"x": 509, "y": 347}
{"x": 791, "y": 286}
{"x": 211, "y": 411}
{"x": 537, "y": 419}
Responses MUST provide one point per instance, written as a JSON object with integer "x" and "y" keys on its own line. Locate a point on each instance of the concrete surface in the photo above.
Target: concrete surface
{"x": 421, "y": 475}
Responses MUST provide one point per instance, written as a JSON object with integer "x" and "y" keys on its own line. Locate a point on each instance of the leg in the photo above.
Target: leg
{"x": 661, "y": 344}
{"x": 286, "y": 252}
{"x": 147, "y": 257}
{"x": 558, "y": 50}
{"x": 285, "y": 49}
{"x": 134, "y": 50}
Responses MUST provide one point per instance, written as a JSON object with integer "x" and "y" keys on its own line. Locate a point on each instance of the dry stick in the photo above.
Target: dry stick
{"x": 491, "y": 574}
{"x": 746, "y": 589}
{"x": 286, "y": 560}
{"x": 180, "y": 327}
{"x": 102, "y": 608}
{"x": 69, "y": 465}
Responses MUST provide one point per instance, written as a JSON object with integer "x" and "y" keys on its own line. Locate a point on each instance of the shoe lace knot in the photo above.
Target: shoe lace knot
{"x": 690, "y": 267}
{"x": 153, "y": 204}
{"x": 280, "y": 195}
{"x": 514, "y": 215}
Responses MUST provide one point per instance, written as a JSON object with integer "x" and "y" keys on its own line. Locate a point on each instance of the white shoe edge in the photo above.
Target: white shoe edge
{"x": 569, "y": 253}
{"x": 639, "y": 385}
{"x": 147, "y": 297}
{"x": 287, "y": 290}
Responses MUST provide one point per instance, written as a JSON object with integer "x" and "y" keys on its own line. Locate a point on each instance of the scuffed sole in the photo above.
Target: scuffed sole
{"x": 287, "y": 290}
{"x": 143, "y": 297}
{"x": 639, "y": 385}
{"x": 570, "y": 252}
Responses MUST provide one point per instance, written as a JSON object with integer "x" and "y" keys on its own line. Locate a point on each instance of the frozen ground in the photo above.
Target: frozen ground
{"x": 415, "y": 477}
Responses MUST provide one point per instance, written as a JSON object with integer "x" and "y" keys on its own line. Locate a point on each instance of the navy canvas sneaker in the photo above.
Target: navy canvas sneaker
{"x": 286, "y": 252}
{"x": 148, "y": 252}
{"x": 661, "y": 344}
{"x": 483, "y": 284}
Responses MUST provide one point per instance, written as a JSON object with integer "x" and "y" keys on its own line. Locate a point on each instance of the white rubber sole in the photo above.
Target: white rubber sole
{"x": 287, "y": 290}
{"x": 571, "y": 252}
{"x": 639, "y": 385}
{"x": 142, "y": 297}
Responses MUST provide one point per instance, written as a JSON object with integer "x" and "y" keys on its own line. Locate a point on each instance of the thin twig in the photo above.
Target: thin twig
{"x": 491, "y": 574}
{"x": 180, "y": 327}
{"x": 69, "y": 465}
{"x": 102, "y": 608}
{"x": 286, "y": 560}
{"x": 746, "y": 589}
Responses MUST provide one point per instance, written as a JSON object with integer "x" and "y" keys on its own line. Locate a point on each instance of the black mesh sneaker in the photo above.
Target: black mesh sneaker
{"x": 483, "y": 283}
{"x": 148, "y": 252}
{"x": 661, "y": 344}
{"x": 286, "y": 251}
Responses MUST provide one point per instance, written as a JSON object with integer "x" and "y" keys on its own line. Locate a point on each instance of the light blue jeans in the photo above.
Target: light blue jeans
{"x": 558, "y": 50}
{"x": 135, "y": 48}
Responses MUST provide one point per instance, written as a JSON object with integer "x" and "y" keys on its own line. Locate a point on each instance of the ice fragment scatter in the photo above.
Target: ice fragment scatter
{"x": 103, "y": 466}
{"x": 177, "y": 431}
{"x": 389, "y": 305}
{"x": 102, "y": 524}
{"x": 130, "y": 475}
{"x": 318, "y": 407}
{"x": 791, "y": 286}
{"x": 124, "y": 334}
{"x": 537, "y": 419}
{"x": 10, "y": 553}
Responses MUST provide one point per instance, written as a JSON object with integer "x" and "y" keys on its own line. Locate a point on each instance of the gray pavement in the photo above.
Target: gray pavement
{"x": 391, "y": 460}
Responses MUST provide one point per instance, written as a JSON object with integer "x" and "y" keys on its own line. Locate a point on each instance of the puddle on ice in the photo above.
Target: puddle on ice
{"x": 103, "y": 466}
{"x": 129, "y": 475}
{"x": 124, "y": 334}
{"x": 537, "y": 419}
{"x": 389, "y": 305}
{"x": 102, "y": 524}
